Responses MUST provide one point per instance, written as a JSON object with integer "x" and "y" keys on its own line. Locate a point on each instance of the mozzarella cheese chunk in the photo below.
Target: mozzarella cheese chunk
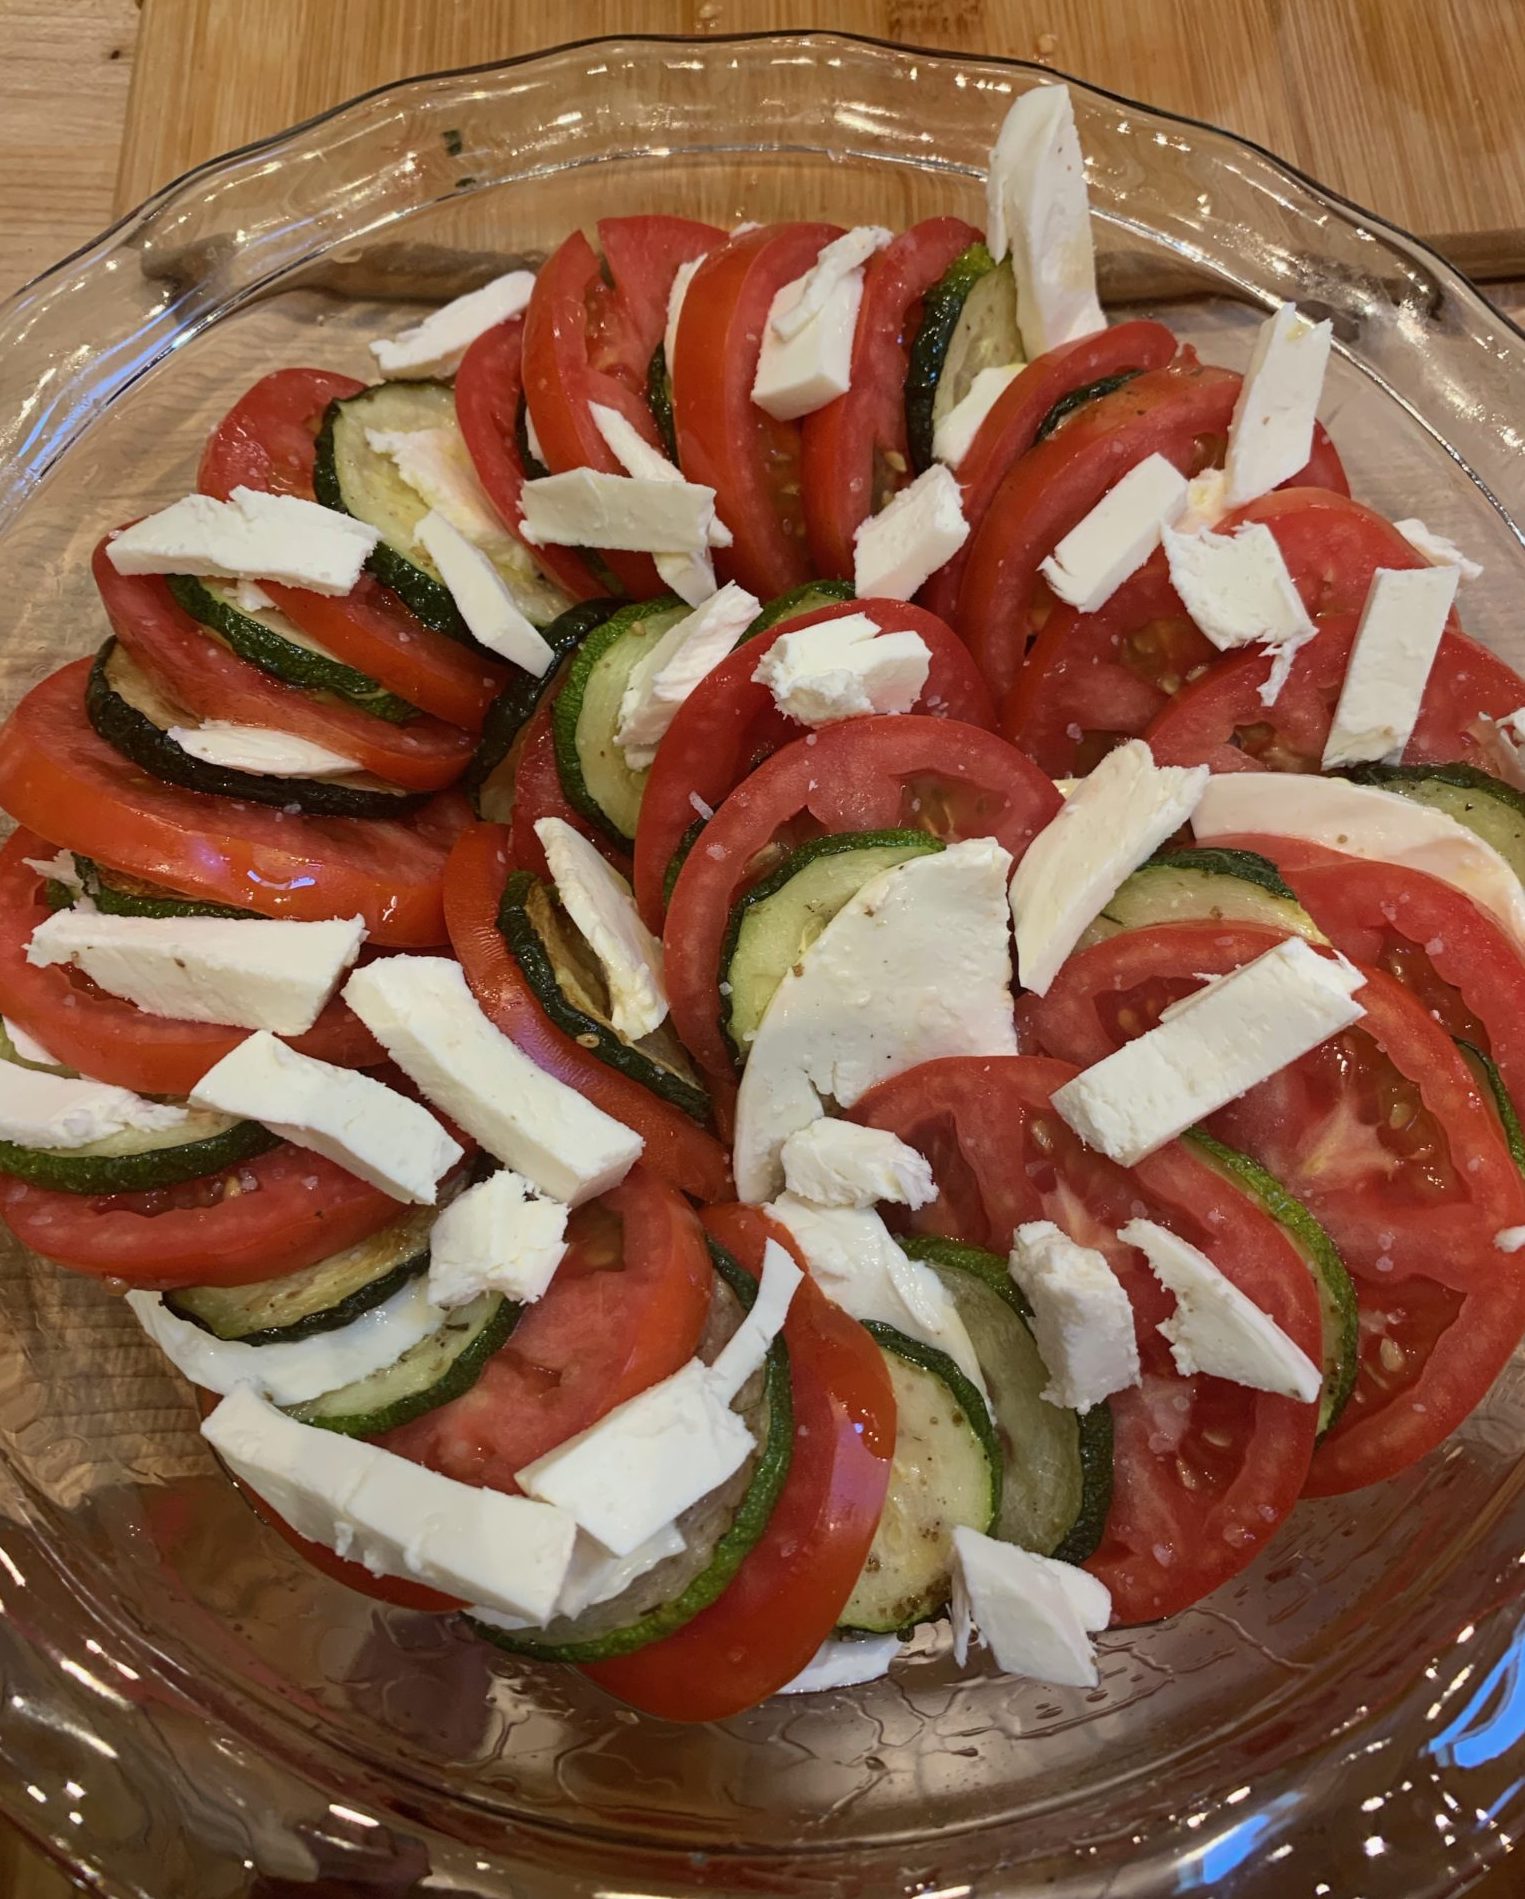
{"x": 916, "y": 965}
{"x": 838, "y": 1164}
{"x": 954, "y": 436}
{"x": 683, "y": 276}
{"x": 435, "y": 346}
{"x": 250, "y": 597}
{"x": 596, "y": 1576}
{"x": 398, "y": 1519}
{"x": 253, "y": 535}
{"x": 248, "y": 972}
{"x": 844, "y": 669}
{"x": 27, "y": 1048}
{"x": 587, "y": 508}
{"x": 1271, "y": 434}
{"x": 807, "y": 345}
{"x": 1437, "y": 549}
{"x": 485, "y": 599}
{"x": 496, "y": 1237}
{"x": 897, "y": 550}
{"x": 352, "y": 1119}
{"x": 1503, "y": 744}
{"x": 840, "y": 1663}
{"x": 1216, "y": 1328}
{"x": 1236, "y": 587}
{"x": 1206, "y": 502}
{"x": 743, "y": 1353}
{"x": 690, "y": 576}
{"x": 436, "y": 464}
{"x": 1117, "y": 536}
{"x": 1082, "y": 1322}
{"x": 1396, "y": 642}
{"x": 687, "y": 653}
{"x": 1364, "y": 822}
{"x": 255, "y": 748}
{"x": 1037, "y": 209}
{"x": 1112, "y": 821}
{"x": 302, "y": 1369}
{"x": 645, "y": 1462}
{"x": 833, "y": 267}
{"x": 68, "y": 1111}
{"x": 61, "y": 868}
{"x": 1510, "y": 1239}
{"x": 1035, "y": 1615}
{"x": 598, "y": 900}
{"x": 421, "y": 1011}
{"x": 1222, "y": 1041}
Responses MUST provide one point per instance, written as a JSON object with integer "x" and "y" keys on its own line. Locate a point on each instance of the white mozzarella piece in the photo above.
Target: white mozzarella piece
{"x": 803, "y": 366}
{"x": 1503, "y": 743}
{"x": 1112, "y": 821}
{"x": 1035, "y": 1615}
{"x": 744, "y": 1351}
{"x": 1437, "y": 549}
{"x": 532, "y": 440}
{"x": 421, "y": 1011}
{"x": 60, "y": 868}
{"x": 832, "y": 268}
{"x": 587, "y": 508}
{"x": 897, "y": 550}
{"x": 1236, "y": 587}
{"x": 349, "y": 1117}
{"x": 1206, "y": 502}
{"x": 59, "y": 1112}
{"x": 841, "y": 1663}
{"x": 485, "y": 599}
{"x": 1510, "y": 1239}
{"x": 436, "y": 464}
{"x": 26, "y": 1047}
{"x": 1389, "y": 667}
{"x": 1216, "y": 1328}
{"x": 250, "y": 535}
{"x": 1364, "y": 822}
{"x": 954, "y": 436}
{"x": 645, "y": 1462}
{"x": 256, "y": 748}
{"x": 596, "y": 1576}
{"x": 839, "y": 1164}
{"x": 1227, "y": 1038}
{"x": 642, "y": 459}
{"x": 248, "y": 972}
{"x": 1037, "y": 208}
{"x": 599, "y": 901}
{"x": 496, "y": 1237}
{"x": 844, "y": 669}
{"x": 683, "y": 276}
{"x": 398, "y": 1519}
{"x": 301, "y": 1369}
{"x": 687, "y": 653}
{"x": 1117, "y": 536}
{"x": 916, "y": 965}
{"x": 250, "y": 597}
{"x": 1271, "y": 434}
{"x": 435, "y": 346}
{"x": 1082, "y": 1322}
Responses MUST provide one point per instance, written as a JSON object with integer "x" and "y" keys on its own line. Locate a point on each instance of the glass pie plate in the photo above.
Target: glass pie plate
{"x": 186, "y": 1708}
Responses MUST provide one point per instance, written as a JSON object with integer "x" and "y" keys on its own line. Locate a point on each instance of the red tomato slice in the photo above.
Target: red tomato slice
{"x": 1203, "y": 1470}
{"x": 724, "y": 440}
{"x": 730, "y": 724}
{"x": 58, "y": 775}
{"x": 855, "y": 451}
{"x": 789, "y": 1591}
{"x": 538, "y": 794}
{"x": 899, "y": 771}
{"x": 643, "y": 255}
{"x": 625, "y": 1309}
{"x": 266, "y": 441}
{"x": 201, "y": 674}
{"x": 676, "y": 1148}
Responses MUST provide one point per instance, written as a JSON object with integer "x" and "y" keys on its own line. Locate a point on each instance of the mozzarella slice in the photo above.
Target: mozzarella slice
{"x": 744, "y": 1351}
{"x": 1206, "y": 502}
{"x": 1437, "y": 549}
{"x": 436, "y": 464}
{"x": 840, "y": 1663}
{"x": 1035, "y": 1615}
{"x": 1112, "y": 821}
{"x": 844, "y": 669}
{"x": 683, "y": 276}
{"x": 435, "y": 346}
{"x": 421, "y": 1011}
{"x": 485, "y": 599}
{"x": 27, "y": 1048}
{"x": 61, "y": 868}
{"x": 1227, "y": 1038}
{"x": 1396, "y": 642}
{"x": 1216, "y": 1328}
{"x": 1271, "y": 434}
{"x": 598, "y": 900}
{"x": 1118, "y": 535}
{"x": 662, "y": 680}
{"x": 832, "y": 268}
{"x": 1038, "y": 209}
{"x": 496, "y": 1237}
{"x": 916, "y": 965}
{"x": 60, "y": 1112}
{"x": 839, "y": 1164}
{"x": 954, "y": 436}
{"x": 897, "y": 550}
{"x": 806, "y": 356}
{"x": 1082, "y": 1322}
{"x": 587, "y": 508}
{"x": 1236, "y": 587}
{"x": 251, "y": 534}
{"x": 255, "y": 748}
{"x": 690, "y": 576}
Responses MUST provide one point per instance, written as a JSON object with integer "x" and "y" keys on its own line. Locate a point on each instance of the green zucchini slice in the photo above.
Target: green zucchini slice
{"x": 137, "y": 1161}
{"x": 122, "y": 895}
{"x": 1474, "y": 798}
{"x": 809, "y": 597}
{"x": 1076, "y": 399}
{"x": 1487, "y": 1072}
{"x": 659, "y": 400}
{"x": 1203, "y": 884}
{"x": 968, "y": 323}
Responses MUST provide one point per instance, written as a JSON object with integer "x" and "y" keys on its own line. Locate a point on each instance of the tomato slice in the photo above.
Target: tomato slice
{"x": 538, "y": 793}
{"x": 676, "y": 1148}
{"x": 785, "y": 1599}
{"x": 1203, "y": 1470}
{"x": 899, "y": 771}
{"x": 266, "y": 441}
{"x": 730, "y": 724}
{"x": 855, "y": 453}
{"x": 724, "y": 440}
{"x": 201, "y": 674}
{"x": 625, "y": 1309}
{"x": 57, "y": 775}
{"x": 642, "y": 255}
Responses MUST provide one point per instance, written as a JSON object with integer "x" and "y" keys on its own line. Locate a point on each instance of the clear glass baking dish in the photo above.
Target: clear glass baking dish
{"x": 186, "y": 1708}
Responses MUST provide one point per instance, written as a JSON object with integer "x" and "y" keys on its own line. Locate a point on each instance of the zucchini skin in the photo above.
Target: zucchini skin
{"x": 1075, "y": 399}
{"x": 659, "y": 401}
{"x": 809, "y": 597}
{"x": 457, "y": 1379}
{"x": 118, "y": 902}
{"x": 941, "y": 309}
{"x": 332, "y": 1318}
{"x": 64, "y": 1172}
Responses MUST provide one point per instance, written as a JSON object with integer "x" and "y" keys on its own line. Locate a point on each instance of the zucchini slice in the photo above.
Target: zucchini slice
{"x": 1487, "y": 1072}
{"x": 438, "y": 1368}
{"x": 1475, "y": 798}
{"x": 132, "y": 714}
{"x": 968, "y": 323}
{"x": 659, "y": 400}
{"x": 809, "y": 597}
{"x": 278, "y": 646}
{"x": 679, "y": 858}
{"x": 594, "y": 775}
{"x": 1337, "y": 1296}
{"x": 121, "y": 895}
{"x": 1075, "y": 399}
{"x": 1057, "y": 1484}
{"x": 318, "y": 1298}
{"x": 717, "y": 1531}
{"x": 348, "y": 474}
{"x": 1203, "y": 884}
{"x": 569, "y": 985}
{"x": 777, "y": 920}
{"x": 137, "y": 1161}
{"x": 946, "y": 1471}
